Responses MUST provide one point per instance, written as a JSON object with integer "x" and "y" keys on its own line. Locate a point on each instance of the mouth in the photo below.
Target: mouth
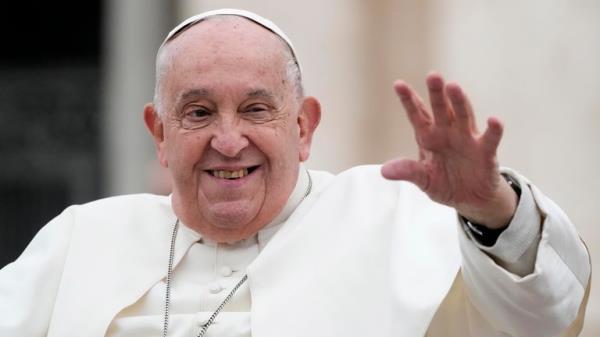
{"x": 232, "y": 174}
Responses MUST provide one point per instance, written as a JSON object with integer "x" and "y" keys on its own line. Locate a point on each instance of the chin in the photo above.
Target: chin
{"x": 231, "y": 227}
{"x": 231, "y": 215}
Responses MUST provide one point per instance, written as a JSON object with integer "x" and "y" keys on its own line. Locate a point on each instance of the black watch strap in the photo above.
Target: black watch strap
{"x": 486, "y": 236}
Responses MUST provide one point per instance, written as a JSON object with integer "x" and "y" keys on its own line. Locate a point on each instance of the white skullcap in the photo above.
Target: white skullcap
{"x": 268, "y": 24}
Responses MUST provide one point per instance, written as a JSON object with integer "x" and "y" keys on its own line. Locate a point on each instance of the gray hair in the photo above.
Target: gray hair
{"x": 292, "y": 67}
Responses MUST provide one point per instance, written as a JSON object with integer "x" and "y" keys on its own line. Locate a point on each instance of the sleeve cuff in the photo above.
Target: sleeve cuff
{"x": 516, "y": 246}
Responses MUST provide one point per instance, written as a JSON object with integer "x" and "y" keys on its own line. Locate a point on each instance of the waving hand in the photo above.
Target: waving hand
{"x": 457, "y": 164}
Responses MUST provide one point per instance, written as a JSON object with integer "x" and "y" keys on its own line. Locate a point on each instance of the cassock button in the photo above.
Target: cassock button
{"x": 226, "y": 271}
{"x": 215, "y": 288}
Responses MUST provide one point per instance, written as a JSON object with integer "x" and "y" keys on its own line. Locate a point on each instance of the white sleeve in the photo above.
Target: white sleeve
{"x": 533, "y": 280}
{"x": 28, "y": 285}
{"x": 516, "y": 247}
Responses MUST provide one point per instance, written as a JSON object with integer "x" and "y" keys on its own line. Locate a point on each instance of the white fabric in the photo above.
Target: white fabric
{"x": 360, "y": 256}
{"x": 203, "y": 278}
{"x": 198, "y": 288}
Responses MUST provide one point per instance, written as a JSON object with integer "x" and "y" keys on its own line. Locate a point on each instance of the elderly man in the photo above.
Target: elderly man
{"x": 252, "y": 243}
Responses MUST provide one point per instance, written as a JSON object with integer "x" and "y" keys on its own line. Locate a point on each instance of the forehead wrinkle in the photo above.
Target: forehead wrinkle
{"x": 213, "y": 31}
{"x": 205, "y": 32}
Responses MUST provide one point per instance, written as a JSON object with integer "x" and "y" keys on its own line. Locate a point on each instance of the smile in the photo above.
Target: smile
{"x": 235, "y": 174}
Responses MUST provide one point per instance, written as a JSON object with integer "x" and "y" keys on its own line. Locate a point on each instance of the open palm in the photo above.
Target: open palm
{"x": 457, "y": 164}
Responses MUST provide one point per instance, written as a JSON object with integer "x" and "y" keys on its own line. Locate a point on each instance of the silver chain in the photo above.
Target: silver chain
{"x": 169, "y": 276}
{"x": 214, "y": 315}
{"x": 212, "y": 318}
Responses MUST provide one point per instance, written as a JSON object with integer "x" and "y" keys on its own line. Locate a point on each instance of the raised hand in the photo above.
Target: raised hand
{"x": 457, "y": 164}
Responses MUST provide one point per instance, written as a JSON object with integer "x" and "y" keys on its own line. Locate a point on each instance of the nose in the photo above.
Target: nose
{"x": 228, "y": 138}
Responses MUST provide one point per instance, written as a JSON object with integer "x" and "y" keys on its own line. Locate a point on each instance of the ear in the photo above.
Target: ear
{"x": 308, "y": 120}
{"x": 156, "y": 127}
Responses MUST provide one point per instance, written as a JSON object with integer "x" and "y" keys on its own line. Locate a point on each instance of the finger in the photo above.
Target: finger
{"x": 406, "y": 169}
{"x": 440, "y": 104}
{"x": 492, "y": 135}
{"x": 463, "y": 111}
{"x": 413, "y": 105}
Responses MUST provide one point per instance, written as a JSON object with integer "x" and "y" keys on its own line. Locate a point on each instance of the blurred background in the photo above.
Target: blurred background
{"x": 74, "y": 76}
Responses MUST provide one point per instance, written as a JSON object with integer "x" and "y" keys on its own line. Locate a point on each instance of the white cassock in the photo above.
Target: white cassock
{"x": 360, "y": 256}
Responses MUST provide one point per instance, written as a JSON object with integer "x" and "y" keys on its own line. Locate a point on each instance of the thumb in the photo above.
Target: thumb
{"x": 406, "y": 169}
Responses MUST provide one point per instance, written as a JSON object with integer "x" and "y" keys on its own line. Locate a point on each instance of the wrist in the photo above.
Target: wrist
{"x": 498, "y": 213}
{"x": 487, "y": 236}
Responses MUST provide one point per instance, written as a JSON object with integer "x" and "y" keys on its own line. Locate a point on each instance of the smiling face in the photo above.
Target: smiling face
{"x": 231, "y": 129}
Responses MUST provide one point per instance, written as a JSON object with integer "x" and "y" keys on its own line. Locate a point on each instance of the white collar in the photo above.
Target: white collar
{"x": 298, "y": 194}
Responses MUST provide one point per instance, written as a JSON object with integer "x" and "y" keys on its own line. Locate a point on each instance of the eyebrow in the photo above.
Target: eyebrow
{"x": 194, "y": 93}
{"x": 204, "y": 93}
{"x": 261, "y": 93}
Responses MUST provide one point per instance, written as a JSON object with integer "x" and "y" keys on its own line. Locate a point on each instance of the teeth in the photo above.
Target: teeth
{"x": 230, "y": 174}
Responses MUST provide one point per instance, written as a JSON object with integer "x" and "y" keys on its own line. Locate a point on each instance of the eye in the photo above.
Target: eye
{"x": 258, "y": 113}
{"x": 195, "y": 117}
{"x": 198, "y": 113}
{"x": 256, "y": 108}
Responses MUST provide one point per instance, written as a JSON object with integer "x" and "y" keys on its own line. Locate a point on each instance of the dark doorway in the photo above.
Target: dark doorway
{"x": 49, "y": 114}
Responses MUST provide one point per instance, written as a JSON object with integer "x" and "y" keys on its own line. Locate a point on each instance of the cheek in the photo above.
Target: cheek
{"x": 280, "y": 144}
{"x": 184, "y": 151}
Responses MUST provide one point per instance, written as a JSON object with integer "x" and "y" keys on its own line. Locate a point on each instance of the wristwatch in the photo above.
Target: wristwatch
{"x": 486, "y": 236}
